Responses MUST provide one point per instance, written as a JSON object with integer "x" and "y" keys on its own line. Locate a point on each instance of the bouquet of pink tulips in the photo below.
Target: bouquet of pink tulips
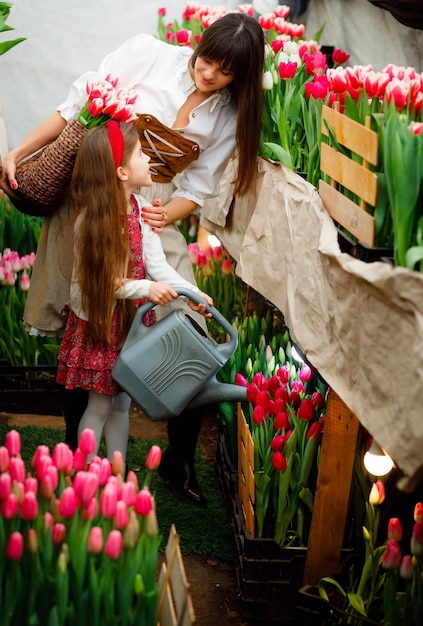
{"x": 79, "y": 543}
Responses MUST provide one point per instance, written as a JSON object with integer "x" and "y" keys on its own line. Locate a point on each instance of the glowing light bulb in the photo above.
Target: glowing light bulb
{"x": 376, "y": 461}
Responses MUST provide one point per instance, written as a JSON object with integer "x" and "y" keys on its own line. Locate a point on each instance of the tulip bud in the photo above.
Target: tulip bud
{"x": 90, "y": 510}
{"x": 79, "y": 460}
{"x": 394, "y": 529}
{"x": 13, "y": 442}
{"x": 87, "y": 442}
{"x": 114, "y": 544}
{"x": 144, "y": 502}
{"x": 281, "y": 421}
{"x": 15, "y": 545}
{"x": 68, "y": 502}
{"x": 151, "y": 525}
{"x": 62, "y": 563}
{"x": 121, "y": 516}
{"x": 416, "y": 542}
{"x": 391, "y": 558}
{"x": 95, "y": 540}
{"x": 108, "y": 501}
{"x": 240, "y": 380}
{"x": 4, "y": 459}
{"x": 9, "y": 507}
{"x": 118, "y": 464}
{"x": 377, "y": 493}
{"x": 259, "y": 415}
{"x": 305, "y": 373}
{"x": 32, "y": 540}
{"x": 139, "y": 586}
{"x": 29, "y": 506}
{"x": 407, "y": 567}
{"x": 63, "y": 457}
{"x": 129, "y": 493}
{"x": 306, "y": 410}
{"x": 58, "y": 534}
{"x": 153, "y": 458}
{"x": 17, "y": 469}
{"x": 279, "y": 461}
{"x": 5, "y": 486}
{"x": 418, "y": 512}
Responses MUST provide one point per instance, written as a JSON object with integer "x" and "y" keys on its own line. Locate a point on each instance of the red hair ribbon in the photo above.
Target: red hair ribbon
{"x": 116, "y": 141}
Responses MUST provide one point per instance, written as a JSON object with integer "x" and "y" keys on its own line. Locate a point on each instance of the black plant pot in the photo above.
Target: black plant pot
{"x": 29, "y": 389}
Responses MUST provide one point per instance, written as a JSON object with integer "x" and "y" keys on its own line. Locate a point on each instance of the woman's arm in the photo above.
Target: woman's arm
{"x": 46, "y": 132}
{"x": 158, "y": 216}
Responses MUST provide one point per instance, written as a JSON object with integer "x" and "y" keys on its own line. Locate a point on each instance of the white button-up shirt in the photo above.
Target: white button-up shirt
{"x": 159, "y": 73}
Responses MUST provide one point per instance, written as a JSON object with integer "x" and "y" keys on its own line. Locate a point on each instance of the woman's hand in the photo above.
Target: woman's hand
{"x": 201, "y": 308}
{"x": 155, "y": 216}
{"x": 161, "y": 293}
{"x": 8, "y": 170}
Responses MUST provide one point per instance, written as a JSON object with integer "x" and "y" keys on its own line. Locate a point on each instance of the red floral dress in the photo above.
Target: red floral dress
{"x": 84, "y": 363}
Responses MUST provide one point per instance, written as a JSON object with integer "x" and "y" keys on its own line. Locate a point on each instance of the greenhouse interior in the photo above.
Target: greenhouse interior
{"x": 206, "y": 413}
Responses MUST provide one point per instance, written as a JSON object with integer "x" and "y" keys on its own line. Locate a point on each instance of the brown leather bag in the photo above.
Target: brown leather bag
{"x": 169, "y": 150}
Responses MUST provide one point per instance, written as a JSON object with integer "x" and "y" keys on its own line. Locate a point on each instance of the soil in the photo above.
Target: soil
{"x": 213, "y": 584}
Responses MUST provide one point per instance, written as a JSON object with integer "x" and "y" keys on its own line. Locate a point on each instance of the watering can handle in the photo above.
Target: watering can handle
{"x": 226, "y": 349}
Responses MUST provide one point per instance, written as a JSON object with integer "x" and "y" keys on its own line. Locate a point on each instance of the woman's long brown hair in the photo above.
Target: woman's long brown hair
{"x": 102, "y": 245}
{"x": 236, "y": 41}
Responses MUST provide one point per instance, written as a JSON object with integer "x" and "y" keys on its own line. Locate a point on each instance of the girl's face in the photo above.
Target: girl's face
{"x": 209, "y": 76}
{"x": 137, "y": 168}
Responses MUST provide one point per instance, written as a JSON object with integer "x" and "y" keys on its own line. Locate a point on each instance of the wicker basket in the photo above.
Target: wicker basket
{"x": 44, "y": 178}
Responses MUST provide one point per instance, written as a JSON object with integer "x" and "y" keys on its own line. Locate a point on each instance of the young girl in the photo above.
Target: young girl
{"x": 113, "y": 251}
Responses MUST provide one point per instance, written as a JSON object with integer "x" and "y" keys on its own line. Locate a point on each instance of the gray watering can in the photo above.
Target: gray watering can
{"x": 172, "y": 365}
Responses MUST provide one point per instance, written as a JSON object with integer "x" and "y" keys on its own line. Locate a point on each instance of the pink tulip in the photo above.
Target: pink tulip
{"x": 39, "y": 452}
{"x": 144, "y": 502}
{"x": 108, "y": 501}
{"x": 87, "y": 442}
{"x": 4, "y": 459}
{"x": 68, "y": 502}
{"x": 240, "y": 380}
{"x": 121, "y": 516}
{"x": 132, "y": 478}
{"x": 95, "y": 540}
{"x": 17, "y": 469}
{"x": 25, "y": 282}
{"x": 287, "y": 70}
{"x": 153, "y": 458}
{"x": 114, "y": 544}
{"x": 29, "y": 506}
{"x": 31, "y": 484}
{"x": 58, "y": 534}
{"x": 46, "y": 487}
{"x": 90, "y": 510}
{"x": 107, "y": 468}
{"x": 407, "y": 567}
{"x": 79, "y": 460}
{"x": 161, "y": 11}
{"x": 85, "y": 485}
{"x": 5, "y": 486}
{"x": 118, "y": 464}
{"x": 266, "y": 21}
{"x": 305, "y": 373}
{"x": 63, "y": 457}
{"x": 416, "y": 542}
{"x": 129, "y": 493}
{"x": 9, "y": 507}
{"x": 15, "y": 545}
{"x": 391, "y": 558}
{"x": 48, "y": 520}
{"x": 394, "y": 529}
{"x": 13, "y": 442}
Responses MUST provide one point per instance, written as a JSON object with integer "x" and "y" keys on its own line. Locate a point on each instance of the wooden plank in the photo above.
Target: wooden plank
{"x": 246, "y": 479}
{"x": 333, "y": 490}
{"x": 351, "y": 134}
{"x": 349, "y": 174}
{"x": 348, "y": 214}
{"x": 166, "y": 612}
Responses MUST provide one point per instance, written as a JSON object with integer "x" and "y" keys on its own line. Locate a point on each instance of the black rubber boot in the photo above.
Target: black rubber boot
{"x": 74, "y": 402}
{"x": 177, "y": 465}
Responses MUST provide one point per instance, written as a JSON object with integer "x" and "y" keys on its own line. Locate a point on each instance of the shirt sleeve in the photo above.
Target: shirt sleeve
{"x": 124, "y": 63}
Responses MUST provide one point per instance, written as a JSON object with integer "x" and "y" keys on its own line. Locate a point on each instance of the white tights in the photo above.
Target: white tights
{"x": 110, "y": 413}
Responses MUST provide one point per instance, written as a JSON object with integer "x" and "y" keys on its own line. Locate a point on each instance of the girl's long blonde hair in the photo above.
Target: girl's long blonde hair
{"x": 102, "y": 245}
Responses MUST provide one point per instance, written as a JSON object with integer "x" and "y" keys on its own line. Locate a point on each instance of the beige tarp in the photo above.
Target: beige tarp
{"x": 360, "y": 325}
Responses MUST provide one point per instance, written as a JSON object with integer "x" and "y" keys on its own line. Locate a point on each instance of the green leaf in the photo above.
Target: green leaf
{"x": 357, "y": 603}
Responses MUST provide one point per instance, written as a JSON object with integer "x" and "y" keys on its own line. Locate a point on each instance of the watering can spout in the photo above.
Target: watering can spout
{"x": 214, "y": 392}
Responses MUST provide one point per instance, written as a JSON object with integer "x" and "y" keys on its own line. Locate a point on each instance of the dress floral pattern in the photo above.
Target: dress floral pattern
{"x": 87, "y": 364}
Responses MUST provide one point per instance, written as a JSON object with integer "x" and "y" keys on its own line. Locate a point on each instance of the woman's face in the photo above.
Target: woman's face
{"x": 209, "y": 76}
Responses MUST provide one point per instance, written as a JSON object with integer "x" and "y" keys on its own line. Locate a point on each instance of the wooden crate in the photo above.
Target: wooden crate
{"x": 175, "y": 606}
{"x": 246, "y": 480}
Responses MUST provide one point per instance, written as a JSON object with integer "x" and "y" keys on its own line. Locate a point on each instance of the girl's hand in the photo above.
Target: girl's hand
{"x": 161, "y": 293}
{"x": 201, "y": 308}
{"x": 8, "y": 168}
{"x": 155, "y": 216}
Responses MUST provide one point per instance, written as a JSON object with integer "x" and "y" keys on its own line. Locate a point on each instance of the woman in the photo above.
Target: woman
{"x": 210, "y": 102}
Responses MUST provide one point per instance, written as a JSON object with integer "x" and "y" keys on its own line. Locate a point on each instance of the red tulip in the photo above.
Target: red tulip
{"x": 306, "y": 410}
{"x": 281, "y": 421}
{"x": 279, "y": 461}
{"x": 318, "y": 400}
{"x": 407, "y": 567}
{"x": 252, "y": 391}
{"x": 287, "y": 70}
{"x": 283, "y": 373}
{"x": 416, "y": 542}
{"x": 58, "y": 534}
{"x": 277, "y": 443}
{"x": 418, "y": 512}
{"x": 143, "y": 502}
{"x": 259, "y": 415}
{"x": 394, "y": 529}
{"x": 339, "y": 56}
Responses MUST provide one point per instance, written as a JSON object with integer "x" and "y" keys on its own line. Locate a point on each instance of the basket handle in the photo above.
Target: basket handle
{"x": 226, "y": 349}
